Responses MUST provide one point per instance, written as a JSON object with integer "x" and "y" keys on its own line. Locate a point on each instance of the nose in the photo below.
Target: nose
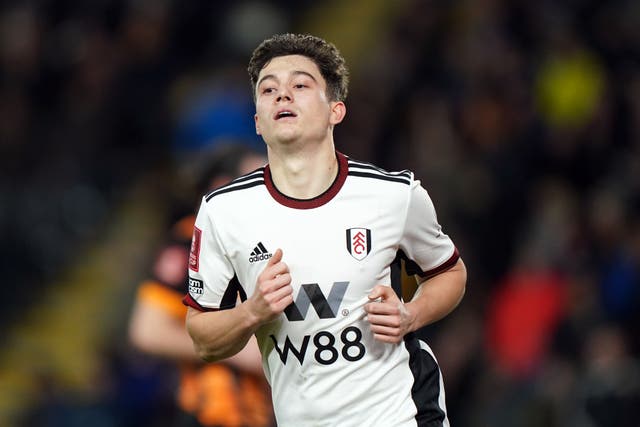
{"x": 283, "y": 95}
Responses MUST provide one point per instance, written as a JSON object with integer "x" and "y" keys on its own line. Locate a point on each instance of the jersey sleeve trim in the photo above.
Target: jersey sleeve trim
{"x": 190, "y": 302}
{"x": 442, "y": 267}
{"x": 229, "y": 299}
{"x": 413, "y": 268}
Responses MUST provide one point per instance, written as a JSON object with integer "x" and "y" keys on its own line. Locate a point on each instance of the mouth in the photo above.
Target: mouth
{"x": 283, "y": 114}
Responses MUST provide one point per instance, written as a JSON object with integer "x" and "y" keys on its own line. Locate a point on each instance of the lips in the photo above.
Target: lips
{"x": 284, "y": 113}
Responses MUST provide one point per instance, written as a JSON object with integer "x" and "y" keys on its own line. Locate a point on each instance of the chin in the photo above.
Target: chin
{"x": 287, "y": 137}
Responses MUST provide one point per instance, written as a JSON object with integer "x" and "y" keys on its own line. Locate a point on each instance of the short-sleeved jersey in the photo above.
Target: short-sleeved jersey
{"x": 320, "y": 357}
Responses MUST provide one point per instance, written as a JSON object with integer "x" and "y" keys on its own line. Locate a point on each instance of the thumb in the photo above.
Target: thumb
{"x": 379, "y": 291}
{"x": 276, "y": 258}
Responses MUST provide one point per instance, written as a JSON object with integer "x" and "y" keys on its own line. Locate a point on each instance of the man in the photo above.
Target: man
{"x": 232, "y": 393}
{"x": 313, "y": 243}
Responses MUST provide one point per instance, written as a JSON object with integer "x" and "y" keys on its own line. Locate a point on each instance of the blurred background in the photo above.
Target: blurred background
{"x": 521, "y": 118}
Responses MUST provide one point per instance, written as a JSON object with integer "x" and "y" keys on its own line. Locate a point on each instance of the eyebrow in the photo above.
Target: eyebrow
{"x": 296, "y": 72}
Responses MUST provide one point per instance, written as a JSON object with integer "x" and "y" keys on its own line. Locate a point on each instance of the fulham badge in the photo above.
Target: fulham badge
{"x": 359, "y": 242}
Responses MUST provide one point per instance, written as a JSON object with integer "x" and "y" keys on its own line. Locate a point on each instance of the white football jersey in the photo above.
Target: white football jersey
{"x": 324, "y": 366}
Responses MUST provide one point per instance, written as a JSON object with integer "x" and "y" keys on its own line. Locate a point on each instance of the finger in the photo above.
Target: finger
{"x": 387, "y": 338}
{"x": 382, "y": 308}
{"x": 280, "y": 281}
{"x": 380, "y": 291}
{"x": 276, "y": 258}
{"x": 269, "y": 286}
{"x": 385, "y": 331}
{"x": 283, "y": 303}
{"x": 279, "y": 268}
{"x": 379, "y": 320}
{"x": 279, "y": 300}
{"x": 281, "y": 293}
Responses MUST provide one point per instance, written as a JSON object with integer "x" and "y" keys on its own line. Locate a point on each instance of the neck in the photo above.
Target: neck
{"x": 303, "y": 173}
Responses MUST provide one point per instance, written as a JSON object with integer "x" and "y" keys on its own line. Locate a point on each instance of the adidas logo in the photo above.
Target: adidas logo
{"x": 260, "y": 253}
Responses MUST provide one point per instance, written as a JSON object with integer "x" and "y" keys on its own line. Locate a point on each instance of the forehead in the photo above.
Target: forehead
{"x": 282, "y": 65}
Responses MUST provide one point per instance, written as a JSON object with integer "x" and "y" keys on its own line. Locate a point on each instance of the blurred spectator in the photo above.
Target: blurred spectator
{"x": 523, "y": 315}
{"x": 609, "y": 389}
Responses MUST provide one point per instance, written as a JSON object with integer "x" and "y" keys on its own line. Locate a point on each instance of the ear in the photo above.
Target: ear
{"x": 255, "y": 119}
{"x": 338, "y": 111}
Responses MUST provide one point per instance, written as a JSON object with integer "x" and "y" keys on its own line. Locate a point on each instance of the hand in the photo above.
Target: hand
{"x": 273, "y": 291}
{"x": 389, "y": 318}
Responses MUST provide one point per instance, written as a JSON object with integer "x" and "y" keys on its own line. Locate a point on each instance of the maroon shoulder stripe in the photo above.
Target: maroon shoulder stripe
{"x": 190, "y": 302}
{"x": 444, "y": 266}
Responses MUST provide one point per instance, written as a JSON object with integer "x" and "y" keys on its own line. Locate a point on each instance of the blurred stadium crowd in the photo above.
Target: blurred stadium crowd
{"x": 521, "y": 118}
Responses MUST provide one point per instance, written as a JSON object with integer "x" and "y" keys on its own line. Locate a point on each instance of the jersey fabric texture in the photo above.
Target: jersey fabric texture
{"x": 214, "y": 394}
{"x": 324, "y": 366}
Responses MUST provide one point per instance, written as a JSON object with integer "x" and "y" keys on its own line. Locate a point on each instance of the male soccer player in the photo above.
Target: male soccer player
{"x": 313, "y": 243}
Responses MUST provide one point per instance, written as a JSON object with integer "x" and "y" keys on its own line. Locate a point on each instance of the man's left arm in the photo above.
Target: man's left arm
{"x": 430, "y": 254}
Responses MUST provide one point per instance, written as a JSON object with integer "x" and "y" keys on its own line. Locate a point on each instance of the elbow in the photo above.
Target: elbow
{"x": 209, "y": 344}
{"x": 204, "y": 349}
{"x": 203, "y": 352}
{"x": 206, "y": 353}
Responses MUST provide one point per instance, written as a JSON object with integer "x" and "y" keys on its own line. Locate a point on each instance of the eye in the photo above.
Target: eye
{"x": 299, "y": 85}
{"x": 267, "y": 90}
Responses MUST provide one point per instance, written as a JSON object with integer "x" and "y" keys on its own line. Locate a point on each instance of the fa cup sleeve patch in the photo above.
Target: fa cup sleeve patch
{"x": 194, "y": 256}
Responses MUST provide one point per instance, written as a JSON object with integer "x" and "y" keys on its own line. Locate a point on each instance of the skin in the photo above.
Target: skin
{"x": 303, "y": 164}
{"x": 301, "y": 149}
{"x": 391, "y": 319}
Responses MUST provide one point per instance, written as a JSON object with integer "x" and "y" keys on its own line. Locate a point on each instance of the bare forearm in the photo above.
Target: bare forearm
{"x": 438, "y": 296}
{"x": 218, "y": 335}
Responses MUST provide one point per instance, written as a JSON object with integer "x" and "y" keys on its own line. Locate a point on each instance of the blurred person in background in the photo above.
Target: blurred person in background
{"x": 354, "y": 359}
{"x": 233, "y": 392}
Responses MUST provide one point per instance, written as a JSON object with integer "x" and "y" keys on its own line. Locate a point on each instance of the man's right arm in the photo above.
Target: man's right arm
{"x": 217, "y": 335}
{"x": 220, "y": 334}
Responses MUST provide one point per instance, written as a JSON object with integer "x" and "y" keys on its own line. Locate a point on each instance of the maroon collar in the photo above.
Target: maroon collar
{"x": 330, "y": 193}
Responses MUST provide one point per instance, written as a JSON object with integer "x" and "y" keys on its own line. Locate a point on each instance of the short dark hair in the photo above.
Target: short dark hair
{"x": 325, "y": 55}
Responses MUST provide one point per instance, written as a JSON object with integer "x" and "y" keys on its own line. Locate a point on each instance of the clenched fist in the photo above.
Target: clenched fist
{"x": 389, "y": 318}
{"x": 273, "y": 292}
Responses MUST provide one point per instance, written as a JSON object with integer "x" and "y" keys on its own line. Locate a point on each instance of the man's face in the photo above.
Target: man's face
{"x": 291, "y": 101}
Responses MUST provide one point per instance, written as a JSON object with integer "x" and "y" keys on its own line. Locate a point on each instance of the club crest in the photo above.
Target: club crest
{"x": 359, "y": 242}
